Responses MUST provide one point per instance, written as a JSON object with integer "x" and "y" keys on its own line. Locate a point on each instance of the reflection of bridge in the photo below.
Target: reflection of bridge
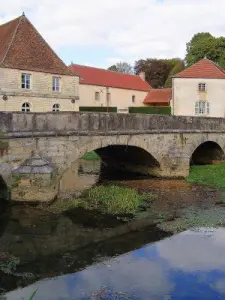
{"x": 147, "y": 144}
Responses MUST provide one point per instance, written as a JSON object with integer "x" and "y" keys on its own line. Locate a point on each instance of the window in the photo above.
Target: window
{"x": 56, "y": 107}
{"x": 202, "y": 87}
{"x": 25, "y": 81}
{"x": 133, "y": 99}
{"x": 97, "y": 96}
{"x": 55, "y": 84}
{"x": 108, "y": 98}
{"x": 25, "y": 107}
{"x": 202, "y": 108}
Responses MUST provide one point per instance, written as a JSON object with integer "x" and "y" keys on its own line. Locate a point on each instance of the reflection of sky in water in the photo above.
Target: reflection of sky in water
{"x": 190, "y": 265}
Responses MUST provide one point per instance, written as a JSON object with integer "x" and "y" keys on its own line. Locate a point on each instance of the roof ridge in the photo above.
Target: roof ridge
{"x": 13, "y": 37}
{"x": 102, "y": 69}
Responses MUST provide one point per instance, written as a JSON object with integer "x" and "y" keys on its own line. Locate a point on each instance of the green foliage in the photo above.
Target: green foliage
{"x": 33, "y": 294}
{"x": 161, "y": 110}
{"x": 208, "y": 175}
{"x": 205, "y": 45}
{"x": 114, "y": 199}
{"x": 159, "y": 71}
{"x": 90, "y": 156}
{"x": 177, "y": 68}
{"x": 98, "y": 108}
{"x": 156, "y": 71}
{"x": 122, "y": 67}
{"x": 106, "y": 199}
{"x": 4, "y": 145}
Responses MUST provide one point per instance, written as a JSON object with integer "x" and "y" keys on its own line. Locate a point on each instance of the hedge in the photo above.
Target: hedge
{"x": 98, "y": 108}
{"x": 160, "y": 110}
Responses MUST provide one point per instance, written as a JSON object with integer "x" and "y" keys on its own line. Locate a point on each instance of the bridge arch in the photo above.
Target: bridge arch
{"x": 122, "y": 153}
{"x": 4, "y": 190}
{"x": 208, "y": 152}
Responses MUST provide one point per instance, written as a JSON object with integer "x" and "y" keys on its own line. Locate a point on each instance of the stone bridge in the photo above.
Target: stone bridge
{"x": 37, "y": 148}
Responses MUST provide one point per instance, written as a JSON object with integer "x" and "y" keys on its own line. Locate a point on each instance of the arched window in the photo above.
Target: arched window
{"x": 56, "y": 107}
{"x": 26, "y": 107}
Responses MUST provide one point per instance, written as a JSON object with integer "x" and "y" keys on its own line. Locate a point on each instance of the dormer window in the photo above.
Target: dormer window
{"x": 202, "y": 87}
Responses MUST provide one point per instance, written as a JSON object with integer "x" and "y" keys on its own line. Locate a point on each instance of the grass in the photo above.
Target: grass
{"x": 90, "y": 156}
{"x": 106, "y": 199}
{"x": 213, "y": 175}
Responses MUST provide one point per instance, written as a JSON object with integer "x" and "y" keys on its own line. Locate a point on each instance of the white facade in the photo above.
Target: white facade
{"x": 198, "y": 97}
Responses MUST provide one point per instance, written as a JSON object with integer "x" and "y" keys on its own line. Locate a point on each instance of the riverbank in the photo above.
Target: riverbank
{"x": 212, "y": 175}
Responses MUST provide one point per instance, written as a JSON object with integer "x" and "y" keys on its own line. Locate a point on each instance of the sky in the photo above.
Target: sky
{"x": 103, "y": 32}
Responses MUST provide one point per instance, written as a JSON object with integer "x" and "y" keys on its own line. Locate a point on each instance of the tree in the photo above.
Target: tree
{"x": 122, "y": 67}
{"x": 205, "y": 45}
{"x": 156, "y": 71}
{"x": 177, "y": 68}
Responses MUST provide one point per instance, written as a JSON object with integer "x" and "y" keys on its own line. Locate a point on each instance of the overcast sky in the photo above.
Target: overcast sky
{"x": 102, "y": 32}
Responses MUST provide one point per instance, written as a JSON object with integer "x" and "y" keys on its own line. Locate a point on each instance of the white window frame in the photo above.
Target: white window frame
{"x": 133, "y": 98}
{"x": 202, "y": 87}
{"x": 202, "y": 108}
{"x": 25, "y": 81}
{"x": 97, "y": 96}
{"x": 26, "y": 107}
{"x": 56, "y": 86}
{"x": 56, "y": 107}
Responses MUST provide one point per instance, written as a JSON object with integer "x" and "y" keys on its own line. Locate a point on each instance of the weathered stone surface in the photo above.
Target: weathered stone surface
{"x": 149, "y": 144}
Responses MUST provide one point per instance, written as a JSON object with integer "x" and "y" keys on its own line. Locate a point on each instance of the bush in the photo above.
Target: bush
{"x": 153, "y": 110}
{"x": 98, "y": 108}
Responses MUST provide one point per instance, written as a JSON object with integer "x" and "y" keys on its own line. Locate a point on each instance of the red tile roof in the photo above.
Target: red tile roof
{"x": 22, "y": 47}
{"x": 158, "y": 96}
{"x": 204, "y": 68}
{"x": 102, "y": 77}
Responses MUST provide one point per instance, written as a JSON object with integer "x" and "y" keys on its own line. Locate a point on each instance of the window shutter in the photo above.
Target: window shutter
{"x": 208, "y": 108}
{"x": 197, "y": 108}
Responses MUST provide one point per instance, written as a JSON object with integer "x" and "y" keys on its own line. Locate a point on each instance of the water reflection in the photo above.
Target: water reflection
{"x": 190, "y": 265}
{"x": 82, "y": 175}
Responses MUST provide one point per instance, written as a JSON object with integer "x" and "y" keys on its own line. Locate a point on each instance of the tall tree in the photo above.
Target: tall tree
{"x": 122, "y": 67}
{"x": 156, "y": 71}
{"x": 178, "y": 66}
{"x": 205, "y": 45}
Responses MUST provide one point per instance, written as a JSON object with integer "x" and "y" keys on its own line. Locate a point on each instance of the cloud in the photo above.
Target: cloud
{"x": 116, "y": 274}
{"x": 202, "y": 250}
{"x": 133, "y": 29}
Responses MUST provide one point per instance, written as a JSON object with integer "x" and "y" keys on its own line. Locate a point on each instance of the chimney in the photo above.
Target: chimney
{"x": 142, "y": 75}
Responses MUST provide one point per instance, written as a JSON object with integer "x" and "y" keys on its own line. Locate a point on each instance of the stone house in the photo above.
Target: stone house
{"x": 32, "y": 77}
{"x": 158, "y": 97}
{"x": 199, "y": 90}
{"x": 100, "y": 87}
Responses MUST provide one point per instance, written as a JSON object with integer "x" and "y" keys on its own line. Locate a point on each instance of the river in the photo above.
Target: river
{"x": 76, "y": 255}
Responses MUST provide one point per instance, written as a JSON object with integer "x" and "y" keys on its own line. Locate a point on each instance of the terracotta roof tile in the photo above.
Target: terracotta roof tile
{"x": 204, "y": 68}
{"x": 158, "y": 96}
{"x": 22, "y": 47}
{"x": 102, "y": 77}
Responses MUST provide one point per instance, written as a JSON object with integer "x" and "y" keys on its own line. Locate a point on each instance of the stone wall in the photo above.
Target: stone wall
{"x": 73, "y": 123}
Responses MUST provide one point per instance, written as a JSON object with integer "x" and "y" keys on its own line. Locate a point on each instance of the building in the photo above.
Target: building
{"x": 158, "y": 97}
{"x": 99, "y": 87}
{"x": 32, "y": 76}
{"x": 199, "y": 90}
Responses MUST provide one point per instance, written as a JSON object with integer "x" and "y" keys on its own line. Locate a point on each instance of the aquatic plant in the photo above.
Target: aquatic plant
{"x": 107, "y": 199}
{"x": 113, "y": 199}
{"x": 194, "y": 217}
